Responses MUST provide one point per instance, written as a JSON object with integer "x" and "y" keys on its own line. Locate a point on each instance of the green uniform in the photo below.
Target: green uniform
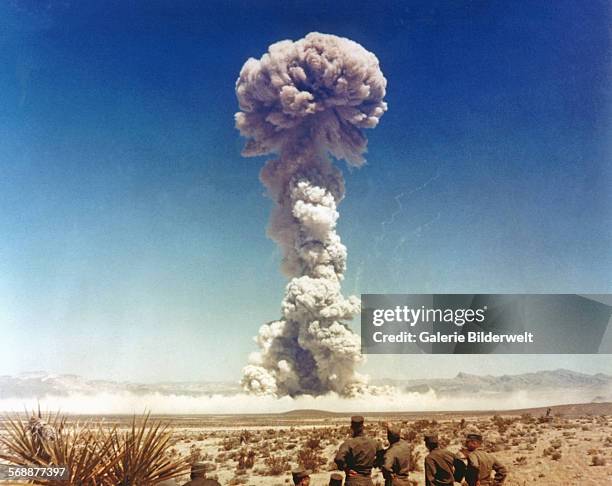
{"x": 396, "y": 464}
{"x": 480, "y": 465}
{"x": 357, "y": 457}
{"x": 440, "y": 467}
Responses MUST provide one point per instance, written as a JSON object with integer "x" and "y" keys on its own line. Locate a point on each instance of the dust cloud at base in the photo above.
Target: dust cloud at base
{"x": 391, "y": 401}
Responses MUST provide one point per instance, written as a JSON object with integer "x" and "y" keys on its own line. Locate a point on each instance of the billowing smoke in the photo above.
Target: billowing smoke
{"x": 304, "y": 101}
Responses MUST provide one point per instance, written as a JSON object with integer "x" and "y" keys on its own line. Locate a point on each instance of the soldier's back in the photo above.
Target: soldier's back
{"x": 480, "y": 467}
{"x": 439, "y": 467}
{"x": 396, "y": 463}
{"x": 357, "y": 456}
{"x": 363, "y": 452}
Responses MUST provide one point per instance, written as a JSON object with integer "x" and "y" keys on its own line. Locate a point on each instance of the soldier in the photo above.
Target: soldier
{"x": 439, "y": 463}
{"x": 198, "y": 476}
{"x": 481, "y": 464}
{"x": 396, "y": 461}
{"x": 357, "y": 455}
{"x": 301, "y": 477}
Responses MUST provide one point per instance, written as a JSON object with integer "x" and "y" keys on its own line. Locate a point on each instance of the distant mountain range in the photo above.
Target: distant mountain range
{"x": 589, "y": 388}
{"x": 593, "y": 386}
{"x": 39, "y": 384}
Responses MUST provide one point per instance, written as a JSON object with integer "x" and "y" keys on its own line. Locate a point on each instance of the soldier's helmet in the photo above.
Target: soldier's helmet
{"x": 357, "y": 420}
{"x": 431, "y": 439}
{"x": 299, "y": 474}
{"x": 394, "y": 431}
{"x": 335, "y": 479}
{"x": 357, "y": 424}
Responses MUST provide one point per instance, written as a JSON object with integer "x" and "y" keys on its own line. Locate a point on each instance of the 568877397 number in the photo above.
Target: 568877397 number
{"x": 34, "y": 472}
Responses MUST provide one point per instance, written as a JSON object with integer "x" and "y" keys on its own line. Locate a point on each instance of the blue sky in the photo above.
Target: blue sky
{"x": 133, "y": 231}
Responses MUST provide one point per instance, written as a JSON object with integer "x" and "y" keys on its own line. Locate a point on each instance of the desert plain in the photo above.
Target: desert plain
{"x": 566, "y": 445}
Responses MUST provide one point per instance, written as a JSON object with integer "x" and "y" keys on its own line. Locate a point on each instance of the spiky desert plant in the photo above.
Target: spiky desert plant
{"x": 143, "y": 454}
{"x": 25, "y": 440}
{"x": 49, "y": 441}
{"x": 86, "y": 453}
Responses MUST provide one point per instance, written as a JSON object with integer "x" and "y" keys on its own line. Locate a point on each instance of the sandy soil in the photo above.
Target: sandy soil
{"x": 571, "y": 447}
{"x": 536, "y": 450}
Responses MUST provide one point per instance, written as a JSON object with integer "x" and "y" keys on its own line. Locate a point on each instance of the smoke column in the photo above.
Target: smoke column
{"x": 304, "y": 101}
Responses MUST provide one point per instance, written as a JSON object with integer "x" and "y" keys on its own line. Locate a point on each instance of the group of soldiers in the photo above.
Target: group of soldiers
{"x": 360, "y": 454}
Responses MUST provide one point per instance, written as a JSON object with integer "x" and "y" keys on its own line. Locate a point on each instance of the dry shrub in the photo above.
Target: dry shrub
{"x": 276, "y": 465}
{"x": 310, "y": 456}
{"x": 520, "y": 461}
{"x": 141, "y": 453}
{"x": 246, "y": 459}
{"x": 415, "y": 460}
{"x": 47, "y": 441}
{"x": 94, "y": 456}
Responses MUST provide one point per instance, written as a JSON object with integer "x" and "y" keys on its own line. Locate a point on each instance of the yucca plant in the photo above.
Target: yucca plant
{"x": 49, "y": 442}
{"x": 93, "y": 456}
{"x": 87, "y": 455}
{"x": 25, "y": 440}
{"x": 142, "y": 454}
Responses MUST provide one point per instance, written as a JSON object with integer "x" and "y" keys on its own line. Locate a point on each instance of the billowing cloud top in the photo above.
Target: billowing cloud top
{"x": 323, "y": 86}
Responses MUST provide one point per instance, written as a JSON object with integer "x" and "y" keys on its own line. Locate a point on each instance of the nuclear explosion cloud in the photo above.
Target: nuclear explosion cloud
{"x": 305, "y": 100}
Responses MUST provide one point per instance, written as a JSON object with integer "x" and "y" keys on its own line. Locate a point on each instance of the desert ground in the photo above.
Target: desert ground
{"x": 572, "y": 446}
